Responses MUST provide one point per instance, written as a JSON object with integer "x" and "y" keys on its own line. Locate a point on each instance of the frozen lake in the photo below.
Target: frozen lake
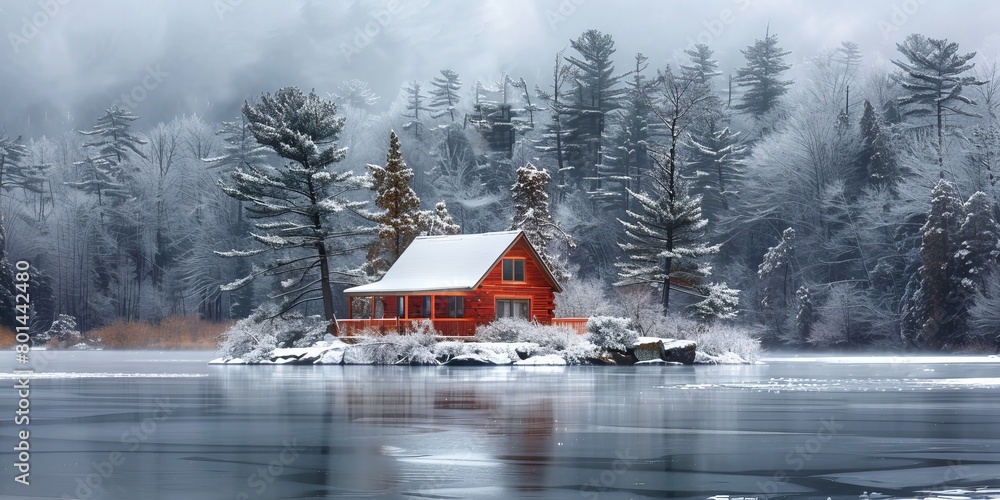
{"x": 166, "y": 425}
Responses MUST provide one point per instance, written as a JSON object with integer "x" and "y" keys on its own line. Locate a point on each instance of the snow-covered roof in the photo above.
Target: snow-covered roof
{"x": 443, "y": 263}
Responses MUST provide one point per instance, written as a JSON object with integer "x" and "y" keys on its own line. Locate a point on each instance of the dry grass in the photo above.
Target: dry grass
{"x": 175, "y": 332}
{"x": 7, "y": 337}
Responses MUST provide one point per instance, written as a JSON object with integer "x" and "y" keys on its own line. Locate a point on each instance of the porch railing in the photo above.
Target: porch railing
{"x": 446, "y": 327}
{"x": 578, "y": 324}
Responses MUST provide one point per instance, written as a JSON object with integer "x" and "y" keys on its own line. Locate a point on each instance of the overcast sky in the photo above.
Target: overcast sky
{"x": 69, "y": 58}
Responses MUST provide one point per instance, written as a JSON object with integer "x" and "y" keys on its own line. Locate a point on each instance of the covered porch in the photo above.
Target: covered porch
{"x": 397, "y": 313}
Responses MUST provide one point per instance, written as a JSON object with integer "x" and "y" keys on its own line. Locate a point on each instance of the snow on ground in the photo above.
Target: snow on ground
{"x": 543, "y": 360}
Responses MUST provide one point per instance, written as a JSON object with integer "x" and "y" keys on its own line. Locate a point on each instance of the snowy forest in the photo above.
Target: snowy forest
{"x": 854, "y": 208}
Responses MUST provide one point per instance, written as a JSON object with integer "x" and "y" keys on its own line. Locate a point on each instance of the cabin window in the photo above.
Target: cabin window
{"x": 456, "y": 307}
{"x": 513, "y": 269}
{"x": 513, "y": 308}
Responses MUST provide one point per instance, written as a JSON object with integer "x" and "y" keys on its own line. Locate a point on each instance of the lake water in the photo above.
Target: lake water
{"x": 166, "y": 425}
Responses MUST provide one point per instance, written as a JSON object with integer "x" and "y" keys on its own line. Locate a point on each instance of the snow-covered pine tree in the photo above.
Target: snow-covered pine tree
{"x": 876, "y": 164}
{"x": 398, "y": 216}
{"x": 113, "y": 141}
{"x": 702, "y": 68}
{"x": 933, "y": 77}
{"x": 932, "y": 305}
{"x": 778, "y": 258}
{"x": 720, "y": 302}
{"x": 301, "y": 206}
{"x": 438, "y": 222}
{"x": 664, "y": 239}
{"x": 356, "y": 94}
{"x": 556, "y": 133}
{"x": 978, "y": 240}
{"x": 716, "y": 158}
{"x": 596, "y": 95}
{"x": 532, "y": 215}
{"x": 806, "y": 315}
{"x": 445, "y": 95}
{"x": 626, "y": 160}
{"x": 7, "y": 290}
{"x": 414, "y": 105}
{"x": 12, "y": 153}
{"x": 761, "y": 77}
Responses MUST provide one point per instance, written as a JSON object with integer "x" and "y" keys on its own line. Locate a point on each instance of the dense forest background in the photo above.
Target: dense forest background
{"x": 854, "y": 207}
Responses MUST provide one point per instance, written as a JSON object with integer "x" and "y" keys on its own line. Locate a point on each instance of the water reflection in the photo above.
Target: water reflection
{"x": 437, "y": 432}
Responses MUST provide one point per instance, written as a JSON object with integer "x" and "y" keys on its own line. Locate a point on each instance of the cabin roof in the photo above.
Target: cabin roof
{"x": 448, "y": 264}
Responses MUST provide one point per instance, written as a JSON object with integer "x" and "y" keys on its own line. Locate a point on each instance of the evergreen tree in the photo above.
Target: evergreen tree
{"x": 113, "y": 141}
{"x": 596, "y": 95}
{"x": 292, "y": 204}
{"x": 438, "y": 222}
{"x": 778, "y": 258}
{"x": 414, "y": 105}
{"x": 702, "y": 68}
{"x": 876, "y": 165}
{"x": 933, "y": 77}
{"x": 806, "y": 315}
{"x": 716, "y": 158}
{"x": 928, "y": 317}
{"x": 555, "y": 136}
{"x": 356, "y": 94}
{"x": 532, "y": 215}
{"x": 7, "y": 290}
{"x": 762, "y": 76}
{"x": 12, "y": 153}
{"x": 444, "y": 97}
{"x": 627, "y": 160}
{"x": 665, "y": 238}
{"x": 398, "y": 218}
{"x": 978, "y": 240}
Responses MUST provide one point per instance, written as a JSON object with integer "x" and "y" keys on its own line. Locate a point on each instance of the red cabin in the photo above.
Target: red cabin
{"x": 458, "y": 282}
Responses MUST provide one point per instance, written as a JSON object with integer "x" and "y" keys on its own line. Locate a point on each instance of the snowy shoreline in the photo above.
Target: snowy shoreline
{"x": 644, "y": 351}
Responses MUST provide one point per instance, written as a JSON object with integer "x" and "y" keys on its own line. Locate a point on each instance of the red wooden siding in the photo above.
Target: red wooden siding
{"x": 535, "y": 287}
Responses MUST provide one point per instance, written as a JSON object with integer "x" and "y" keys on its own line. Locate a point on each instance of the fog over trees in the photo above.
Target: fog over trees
{"x": 844, "y": 203}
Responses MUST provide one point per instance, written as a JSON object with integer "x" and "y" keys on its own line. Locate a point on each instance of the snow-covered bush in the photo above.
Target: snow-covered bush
{"x": 63, "y": 331}
{"x": 254, "y": 338}
{"x": 416, "y": 347}
{"x": 564, "y": 341}
{"x": 611, "y": 332}
{"x": 719, "y": 339}
{"x": 502, "y": 330}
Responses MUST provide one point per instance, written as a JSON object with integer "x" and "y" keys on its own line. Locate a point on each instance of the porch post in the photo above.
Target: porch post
{"x": 433, "y": 306}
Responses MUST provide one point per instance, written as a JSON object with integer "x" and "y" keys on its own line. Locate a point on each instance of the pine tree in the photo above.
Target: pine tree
{"x": 876, "y": 164}
{"x": 398, "y": 219}
{"x": 12, "y": 153}
{"x": 555, "y": 136}
{"x": 806, "y": 315}
{"x": 762, "y": 76}
{"x": 927, "y": 318}
{"x": 702, "y": 68}
{"x": 778, "y": 257}
{"x": 356, "y": 94}
{"x": 933, "y": 77}
{"x": 716, "y": 158}
{"x": 293, "y": 204}
{"x": 414, "y": 105}
{"x": 445, "y": 95}
{"x": 978, "y": 240}
{"x": 532, "y": 215}
{"x": 627, "y": 160}
{"x": 438, "y": 222}
{"x": 114, "y": 143}
{"x": 663, "y": 241}
{"x": 7, "y": 290}
{"x": 596, "y": 95}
